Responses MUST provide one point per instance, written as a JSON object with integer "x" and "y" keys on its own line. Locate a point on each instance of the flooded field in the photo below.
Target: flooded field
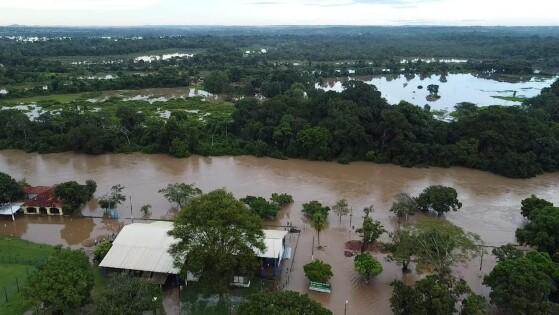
{"x": 490, "y": 205}
{"x": 454, "y": 89}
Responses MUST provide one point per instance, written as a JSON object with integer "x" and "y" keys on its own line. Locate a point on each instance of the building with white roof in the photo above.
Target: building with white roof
{"x": 143, "y": 248}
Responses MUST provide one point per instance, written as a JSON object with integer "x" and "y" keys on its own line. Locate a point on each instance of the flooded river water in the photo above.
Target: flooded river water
{"x": 490, "y": 205}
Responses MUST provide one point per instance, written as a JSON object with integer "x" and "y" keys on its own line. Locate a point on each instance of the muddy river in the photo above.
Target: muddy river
{"x": 490, "y": 205}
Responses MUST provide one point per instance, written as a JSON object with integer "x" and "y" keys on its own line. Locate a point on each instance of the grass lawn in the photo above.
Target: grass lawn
{"x": 18, "y": 258}
{"x": 60, "y": 98}
{"x": 511, "y": 98}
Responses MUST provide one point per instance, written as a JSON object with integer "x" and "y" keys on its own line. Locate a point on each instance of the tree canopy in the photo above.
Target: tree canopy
{"x": 523, "y": 285}
{"x": 63, "y": 284}
{"x": 218, "y": 237}
{"x": 440, "y": 199}
{"x": 127, "y": 295}
{"x": 180, "y": 193}
{"x": 542, "y": 230}
{"x": 367, "y": 265}
{"x": 435, "y": 295}
{"x": 74, "y": 195}
{"x": 10, "y": 190}
{"x": 318, "y": 271}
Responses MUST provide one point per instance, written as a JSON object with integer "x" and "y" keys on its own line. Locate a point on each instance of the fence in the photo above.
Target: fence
{"x": 13, "y": 286}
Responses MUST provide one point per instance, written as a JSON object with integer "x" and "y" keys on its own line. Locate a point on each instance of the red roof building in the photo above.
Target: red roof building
{"x": 41, "y": 200}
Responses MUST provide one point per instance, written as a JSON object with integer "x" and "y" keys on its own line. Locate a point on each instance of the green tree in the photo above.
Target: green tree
{"x": 529, "y": 205}
{"x": 404, "y": 205}
{"x": 313, "y": 207}
{"x": 91, "y": 187}
{"x": 218, "y": 238}
{"x": 314, "y": 143}
{"x": 281, "y": 303}
{"x": 318, "y": 271}
{"x": 367, "y": 266}
{"x": 180, "y": 193}
{"x": 101, "y": 250}
{"x": 10, "y": 190}
{"x": 440, "y": 245}
{"x": 319, "y": 222}
{"x": 523, "y": 285}
{"x": 402, "y": 248}
{"x": 440, "y": 199}
{"x": 507, "y": 251}
{"x": 63, "y": 284}
{"x": 265, "y": 209}
{"x": 341, "y": 209}
{"x": 113, "y": 198}
{"x": 434, "y": 295}
{"x": 282, "y": 200}
{"x": 73, "y": 195}
{"x": 127, "y": 295}
{"x": 216, "y": 82}
{"x": 542, "y": 231}
{"x": 146, "y": 211}
{"x": 370, "y": 230}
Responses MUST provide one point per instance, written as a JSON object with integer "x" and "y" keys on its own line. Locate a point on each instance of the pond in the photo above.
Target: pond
{"x": 453, "y": 89}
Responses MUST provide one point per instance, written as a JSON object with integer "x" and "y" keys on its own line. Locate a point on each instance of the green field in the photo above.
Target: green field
{"x": 519, "y": 99}
{"x": 18, "y": 259}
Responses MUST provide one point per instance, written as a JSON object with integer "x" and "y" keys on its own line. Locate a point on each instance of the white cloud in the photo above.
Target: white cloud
{"x": 76, "y": 4}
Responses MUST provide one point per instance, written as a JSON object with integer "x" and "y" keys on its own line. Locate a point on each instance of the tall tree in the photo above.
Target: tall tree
{"x": 10, "y": 190}
{"x": 218, "y": 237}
{"x": 113, "y": 198}
{"x": 404, "y": 206}
{"x": 180, "y": 193}
{"x": 63, "y": 284}
{"x": 440, "y": 245}
{"x": 402, "y": 248}
{"x": 319, "y": 222}
{"x": 529, "y": 205}
{"x": 440, "y": 199}
{"x": 73, "y": 195}
{"x": 523, "y": 285}
{"x": 542, "y": 231}
{"x": 435, "y": 295}
{"x": 370, "y": 231}
{"x": 341, "y": 208}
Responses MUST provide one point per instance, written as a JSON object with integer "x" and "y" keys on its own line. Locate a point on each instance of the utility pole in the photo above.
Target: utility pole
{"x": 131, "y": 212}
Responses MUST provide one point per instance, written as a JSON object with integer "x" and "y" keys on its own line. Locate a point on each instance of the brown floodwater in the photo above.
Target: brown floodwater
{"x": 490, "y": 205}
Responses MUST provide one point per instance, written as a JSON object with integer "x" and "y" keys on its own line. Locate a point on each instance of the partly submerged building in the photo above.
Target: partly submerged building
{"x": 41, "y": 200}
{"x": 143, "y": 249}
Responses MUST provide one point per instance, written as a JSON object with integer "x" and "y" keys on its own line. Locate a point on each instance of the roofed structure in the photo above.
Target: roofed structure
{"x": 142, "y": 247}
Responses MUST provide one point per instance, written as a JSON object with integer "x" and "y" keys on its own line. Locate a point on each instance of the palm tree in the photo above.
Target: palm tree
{"x": 319, "y": 222}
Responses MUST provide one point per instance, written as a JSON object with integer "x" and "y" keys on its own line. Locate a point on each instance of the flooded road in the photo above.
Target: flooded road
{"x": 490, "y": 205}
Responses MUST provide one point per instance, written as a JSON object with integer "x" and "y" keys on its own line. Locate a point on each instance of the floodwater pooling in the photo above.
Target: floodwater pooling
{"x": 490, "y": 206}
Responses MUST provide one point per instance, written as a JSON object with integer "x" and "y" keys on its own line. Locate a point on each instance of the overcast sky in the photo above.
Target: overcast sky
{"x": 279, "y": 12}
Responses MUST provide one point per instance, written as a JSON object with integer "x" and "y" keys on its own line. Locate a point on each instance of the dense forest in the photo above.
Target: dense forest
{"x": 288, "y": 118}
{"x": 357, "y": 124}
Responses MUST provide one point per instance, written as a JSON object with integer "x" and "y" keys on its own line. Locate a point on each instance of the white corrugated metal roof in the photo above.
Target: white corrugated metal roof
{"x": 142, "y": 246}
{"x": 145, "y": 247}
{"x": 273, "y": 240}
{"x": 10, "y": 209}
